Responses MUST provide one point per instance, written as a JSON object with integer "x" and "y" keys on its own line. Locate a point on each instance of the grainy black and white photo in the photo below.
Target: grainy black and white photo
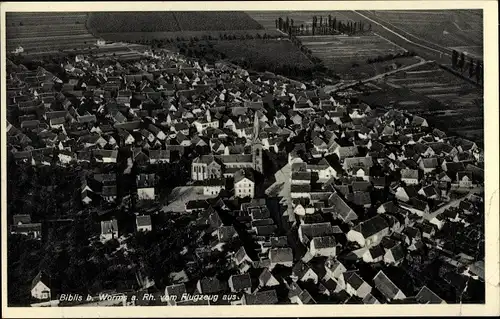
{"x": 172, "y": 158}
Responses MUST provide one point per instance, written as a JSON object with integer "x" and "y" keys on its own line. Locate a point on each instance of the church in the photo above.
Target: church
{"x": 207, "y": 167}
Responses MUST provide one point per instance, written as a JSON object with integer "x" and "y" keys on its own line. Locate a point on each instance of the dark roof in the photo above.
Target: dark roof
{"x": 385, "y": 285}
{"x": 427, "y": 296}
{"x": 262, "y": 298}
{"x": 377, "y": 251}
{"x": 176, "y": 290}
{"x": 41, "y": 277}
{"x": 324, "y": 242}
{"x": 277, "y": 255}
{"x": 371, "y": 226}
{"x": 353, "y": 279}
{"x": 143, "y": 220}
{"x": 211, "y": 285}
{"x": 240, "y": 282}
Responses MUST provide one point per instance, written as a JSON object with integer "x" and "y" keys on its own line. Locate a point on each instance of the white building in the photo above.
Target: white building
{"x": 244, "y": 184}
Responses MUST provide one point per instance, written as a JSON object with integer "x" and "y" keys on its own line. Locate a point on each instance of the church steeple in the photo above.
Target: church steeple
{"x": 257, "y": 146}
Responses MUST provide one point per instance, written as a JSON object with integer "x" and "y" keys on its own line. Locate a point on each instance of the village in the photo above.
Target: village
{"x": 303, "y": 196}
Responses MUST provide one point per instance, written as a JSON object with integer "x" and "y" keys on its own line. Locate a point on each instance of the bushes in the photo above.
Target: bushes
{"x": 389, "y": 57}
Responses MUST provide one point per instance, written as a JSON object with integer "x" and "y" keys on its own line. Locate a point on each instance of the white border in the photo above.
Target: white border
{"x": 492, "y": 306}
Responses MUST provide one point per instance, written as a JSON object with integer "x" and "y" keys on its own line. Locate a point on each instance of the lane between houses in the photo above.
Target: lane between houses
{"x": 453, "y": 203}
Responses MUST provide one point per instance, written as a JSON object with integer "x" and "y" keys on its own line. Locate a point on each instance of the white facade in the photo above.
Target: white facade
{"x": 244, "y": 188}
{"x": 147, "y": 193}
{"x": 40, "y": 291}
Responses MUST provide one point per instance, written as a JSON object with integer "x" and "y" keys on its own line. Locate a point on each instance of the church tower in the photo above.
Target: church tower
{"x": 257, "y": 146}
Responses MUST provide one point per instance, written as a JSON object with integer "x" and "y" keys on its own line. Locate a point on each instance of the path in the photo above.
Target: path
{"x": 378, "y": 76}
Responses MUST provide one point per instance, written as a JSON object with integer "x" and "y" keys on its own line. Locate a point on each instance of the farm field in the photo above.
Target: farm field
{"x": 169, "y": 21}
{"x": 451, "y": 29}
{"x": 47, "y": 32}
{"x": 340, "y": 52}
{"x": 271, "y": 53}
{"x": 461, "y": 103}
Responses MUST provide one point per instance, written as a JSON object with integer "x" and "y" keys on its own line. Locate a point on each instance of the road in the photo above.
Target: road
{"x": 378, "y": 76}
{"x": 401, "y": 38}
{"x": 406, "y": 35}
{"x": 453, "y": 203}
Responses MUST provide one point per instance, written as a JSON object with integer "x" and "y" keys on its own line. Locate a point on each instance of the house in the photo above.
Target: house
{"x": 174, "y": 293}
{"x": 429, "y": 192}
{"x": 464, "y": 179}
{"x": 213, "y": 186}
{"x": 143, "y": 223}
{"x": 370, "y": 232}
{"x": 439, "y": 220}
{"x": 374, "y": 254}
{"x": 334, "y": 269}
{"x": 205, "y": 167}
{"x": 267, "y": 279}
{"x": 359, "y": 166}
{"x": 244, "y": 183}
{"x": 32, "y": 230}
{"x": 340, "y": 210}
{"x": 427, "y": 296}
{"x": 354, "y": 285}
{"x": 240, "y": 283}
{"x": 428, "y": 165}
{"x": 159, "y": 156}
{"x": 416, "y": 206}
{"x": 210, "y": 285}
{"x": 394, "y": 255}
{"x": 267, "y": 297}
{"x": 146, "y": 186}
{"x": 281, "y": 256}
{"x": 109, "y": 193}
{"x": 242, "y": 260}
{"x": 388, "y": 289}
{"x": 302, "y": 272}
{"x": 40, "y": 286}
{"x": 409, "y": 176}
{"x": 109, "y": 230}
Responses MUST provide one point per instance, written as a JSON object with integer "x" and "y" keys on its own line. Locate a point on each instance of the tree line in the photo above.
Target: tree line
{"x": 321, "y": 26}
{"x": 473, "y": 68}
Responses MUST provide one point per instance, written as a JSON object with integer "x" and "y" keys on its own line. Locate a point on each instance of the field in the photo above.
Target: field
{"x": 451, "y": 29}
{"x": 461, "y": 103}
{"x": 106, "y": 23}
{"x": 270, "y": 53}
{"x": 47, "y": 32}
{"x": 340, "y": 52}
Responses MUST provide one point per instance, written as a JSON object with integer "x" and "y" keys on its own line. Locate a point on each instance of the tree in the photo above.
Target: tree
{"x": 471, "y": 67}
{"x": 478, "y": 72}
{"x": 461, "y": 62}
{"x": 454, "y": 58}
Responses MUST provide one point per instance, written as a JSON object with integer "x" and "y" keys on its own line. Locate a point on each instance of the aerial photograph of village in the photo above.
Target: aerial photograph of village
{"x": 171, "y": 158}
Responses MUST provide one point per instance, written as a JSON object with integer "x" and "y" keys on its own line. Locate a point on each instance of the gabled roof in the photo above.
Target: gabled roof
{"x": 261, "y": 298}
{"x": 427, "y": 296}
{"x": 371, "y": 226}
{"x": 385, "y": 286}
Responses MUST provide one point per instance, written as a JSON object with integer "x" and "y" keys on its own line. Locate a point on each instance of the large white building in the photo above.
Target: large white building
{"x": 244, "y": 184}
